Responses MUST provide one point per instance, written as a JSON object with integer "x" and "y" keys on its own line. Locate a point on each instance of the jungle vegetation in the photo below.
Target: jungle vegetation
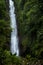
{"x": 29, "y": 17}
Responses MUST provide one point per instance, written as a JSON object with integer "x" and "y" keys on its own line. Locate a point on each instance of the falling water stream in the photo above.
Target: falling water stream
{"x": 14, "y": 36}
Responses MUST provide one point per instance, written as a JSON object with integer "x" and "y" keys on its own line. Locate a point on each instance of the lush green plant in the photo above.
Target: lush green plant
{"x": 30, "y": 26}
{"x": 29, "y": 15}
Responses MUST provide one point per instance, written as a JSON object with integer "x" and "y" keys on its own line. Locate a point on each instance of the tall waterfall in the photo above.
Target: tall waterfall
{"x": 14, "y": 37}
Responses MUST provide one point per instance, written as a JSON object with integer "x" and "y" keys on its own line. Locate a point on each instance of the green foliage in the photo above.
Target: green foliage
{"x": 29, "y": 15}
{"x": 5, "y": 31}
{"x": 30, "y": 25}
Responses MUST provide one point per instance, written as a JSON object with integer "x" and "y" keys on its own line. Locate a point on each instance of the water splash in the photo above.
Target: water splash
{"x": 14, "y": 37}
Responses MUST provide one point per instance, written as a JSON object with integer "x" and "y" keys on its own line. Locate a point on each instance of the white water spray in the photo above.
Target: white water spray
{"x": 14, "y": 37}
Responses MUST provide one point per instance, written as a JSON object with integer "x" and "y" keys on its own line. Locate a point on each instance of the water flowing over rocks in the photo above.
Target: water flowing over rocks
{"x": 14, "y": 36}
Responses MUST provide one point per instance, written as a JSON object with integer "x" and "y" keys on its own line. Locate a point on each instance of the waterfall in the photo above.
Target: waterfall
{"x": 14, "y": 37}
